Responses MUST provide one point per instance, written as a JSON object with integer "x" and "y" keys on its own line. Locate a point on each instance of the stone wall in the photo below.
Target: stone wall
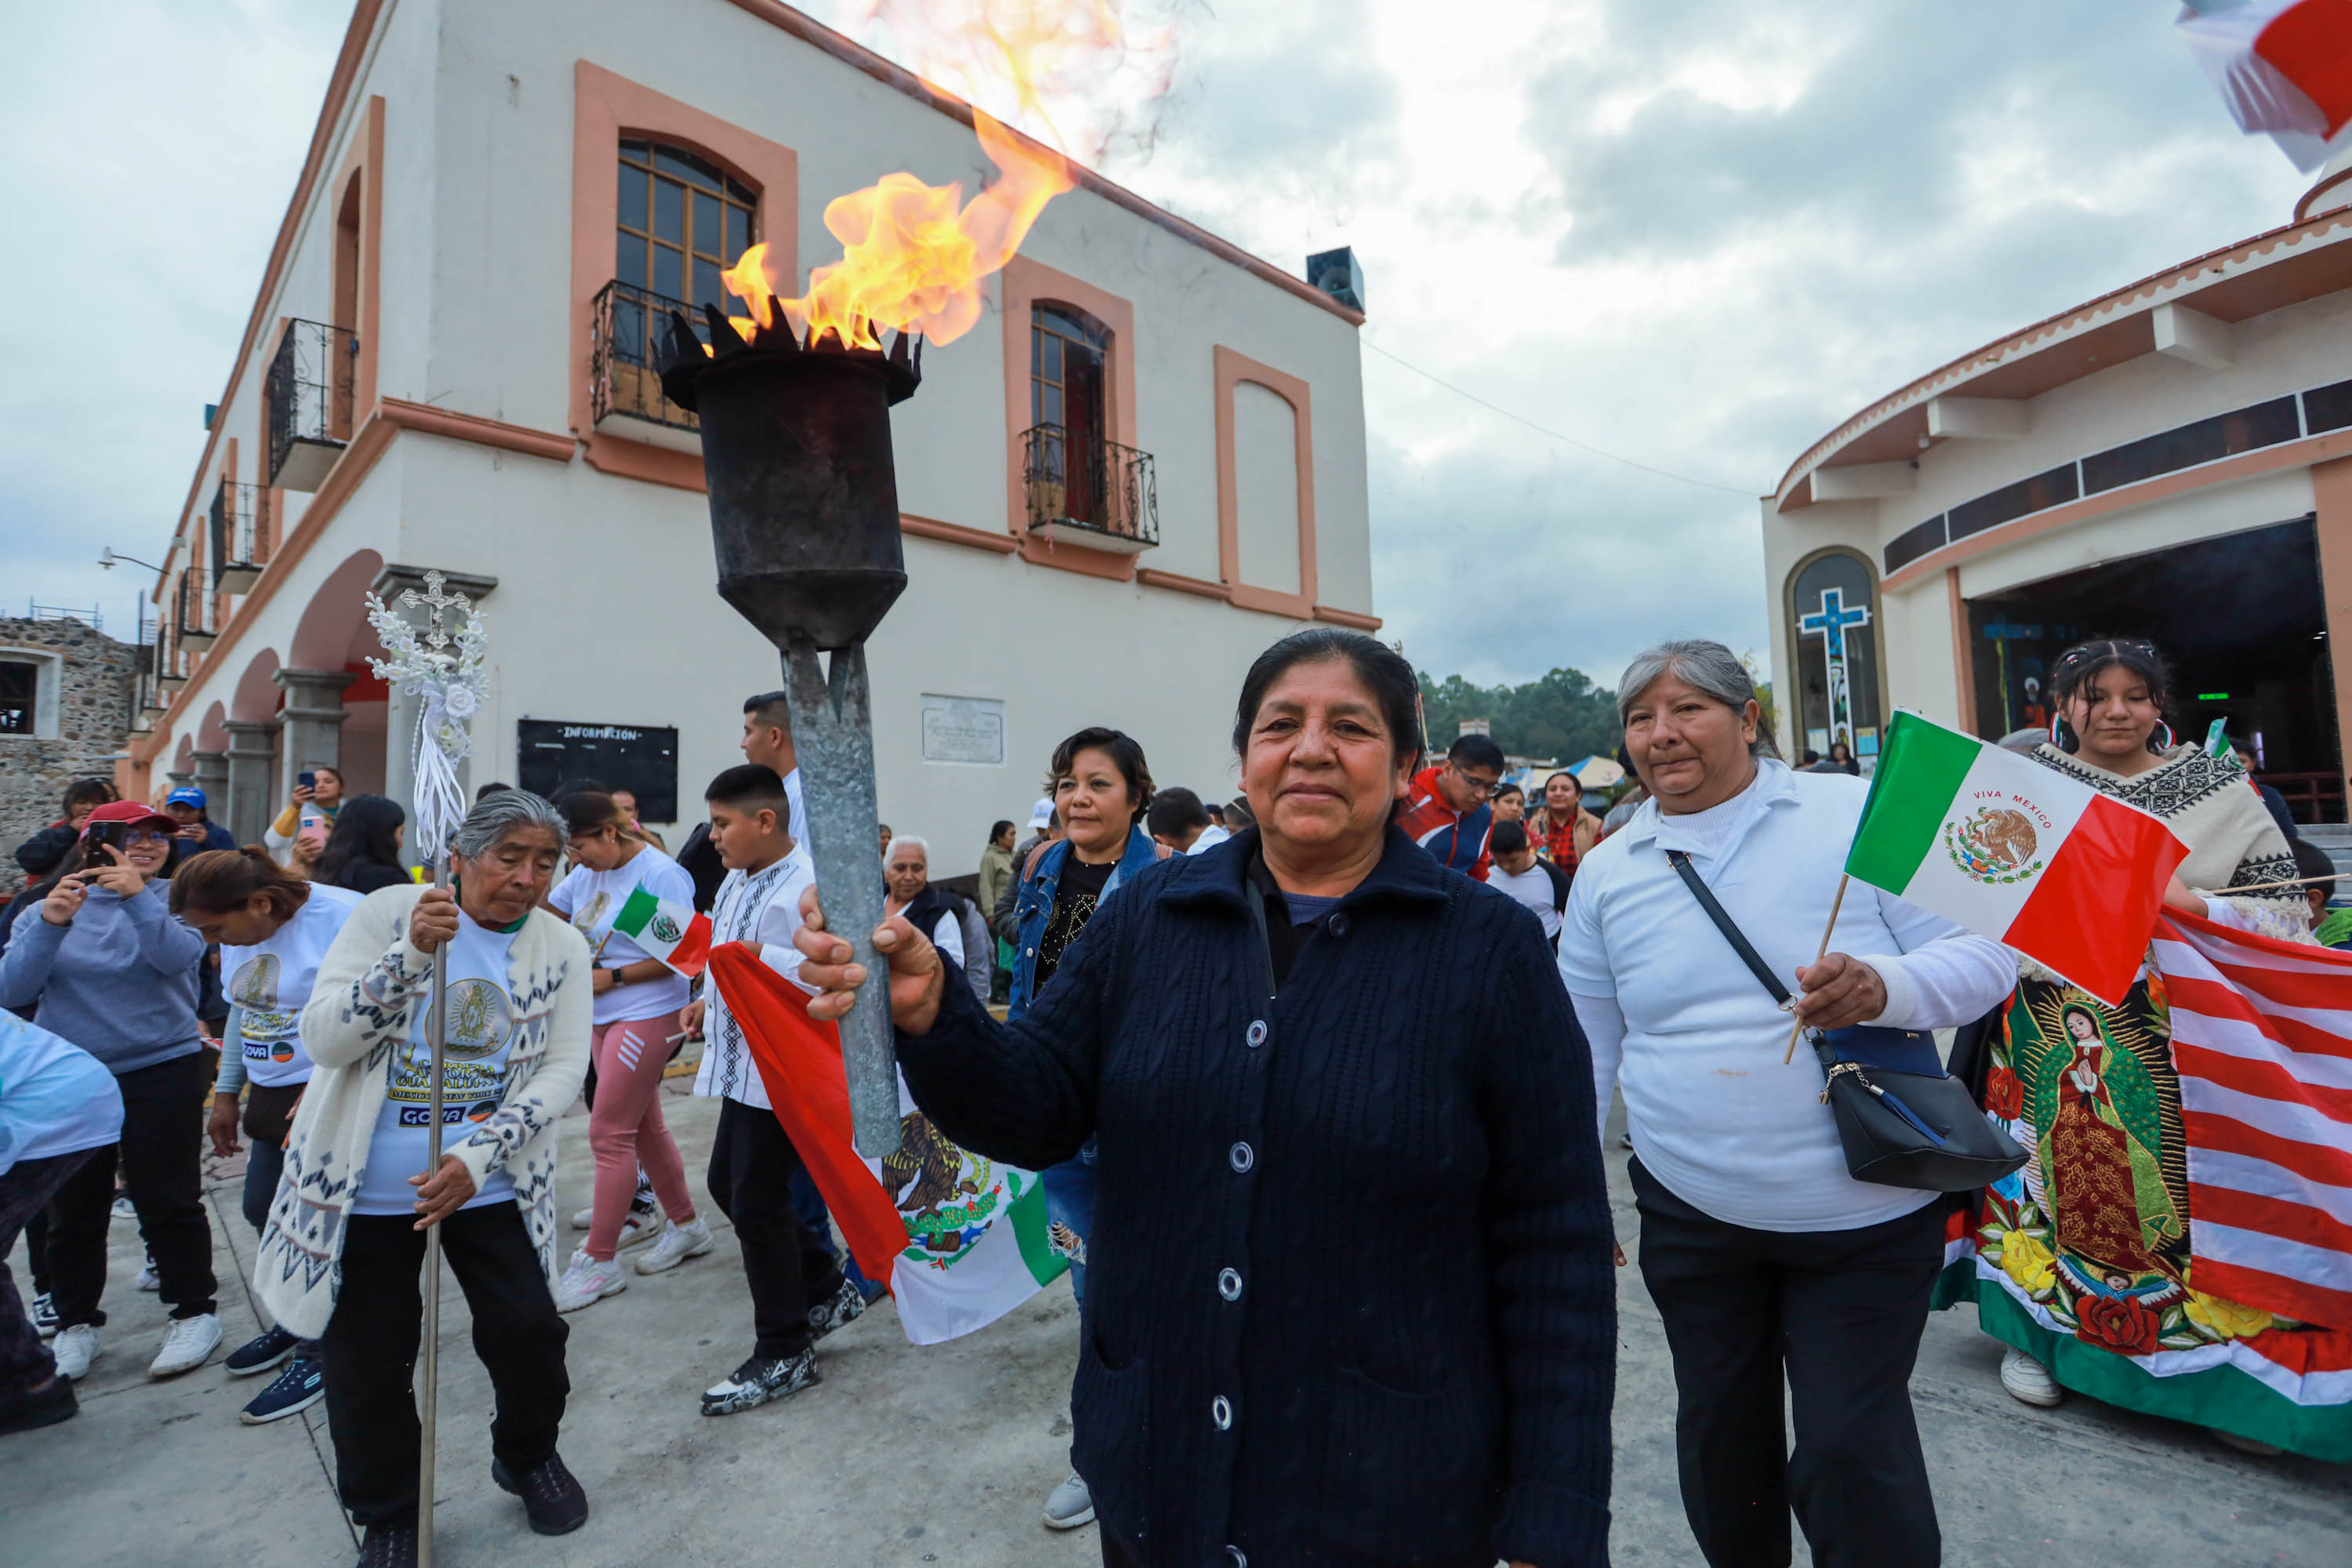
{"x": 97, "y": 677}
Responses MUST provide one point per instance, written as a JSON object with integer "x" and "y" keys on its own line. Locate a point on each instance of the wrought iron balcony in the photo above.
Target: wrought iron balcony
{"x": 625, "y": 390}
{"x": 312, "y": 380}
{"x": 195, "y": 625}
{"x": 239, "y": 552}
{"x": 1091, "y": 492}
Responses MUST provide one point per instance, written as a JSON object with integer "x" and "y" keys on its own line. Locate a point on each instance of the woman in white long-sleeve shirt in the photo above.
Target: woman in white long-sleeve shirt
{"x": 1766, "y": 1258}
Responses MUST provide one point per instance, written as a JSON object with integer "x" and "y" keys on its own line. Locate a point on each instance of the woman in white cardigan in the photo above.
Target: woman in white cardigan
{"x": 346, "y": 1236}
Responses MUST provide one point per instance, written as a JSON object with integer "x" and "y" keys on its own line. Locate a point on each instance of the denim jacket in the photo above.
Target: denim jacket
{"x": 1033, "y": 906}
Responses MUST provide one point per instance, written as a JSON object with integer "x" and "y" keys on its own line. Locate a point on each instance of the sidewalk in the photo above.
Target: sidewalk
{"x": 912, "y": 1457}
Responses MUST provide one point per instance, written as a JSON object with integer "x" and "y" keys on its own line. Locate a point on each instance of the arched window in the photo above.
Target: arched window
{"x": 1068, "y": 366}
{"x": 1834, "y": 609}
{"x": 683, "y": 221}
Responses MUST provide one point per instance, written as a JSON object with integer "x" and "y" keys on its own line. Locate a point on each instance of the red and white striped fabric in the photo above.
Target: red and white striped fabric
{"x": 2261, "y": 1036}
{"x": 2283, "y": 67}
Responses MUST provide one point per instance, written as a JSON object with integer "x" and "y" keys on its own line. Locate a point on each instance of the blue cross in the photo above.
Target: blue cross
{"x": 1832, "y": 620}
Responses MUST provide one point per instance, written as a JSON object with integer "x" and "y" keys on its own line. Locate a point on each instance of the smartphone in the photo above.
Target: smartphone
{"x": 306, "y": 779}
{"x": 117, "y": 834}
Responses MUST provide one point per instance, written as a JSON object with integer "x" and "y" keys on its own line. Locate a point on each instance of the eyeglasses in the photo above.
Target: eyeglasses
{"x": 145, "y": 836}
{"x": 1478, "y": 786}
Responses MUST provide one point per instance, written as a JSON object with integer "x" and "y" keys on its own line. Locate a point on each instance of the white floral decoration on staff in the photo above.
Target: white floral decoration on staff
{"x": 446, "y": 672}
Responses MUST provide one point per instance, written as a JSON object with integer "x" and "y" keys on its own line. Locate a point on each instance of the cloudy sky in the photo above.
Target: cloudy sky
{"x": 1692, "y": 233}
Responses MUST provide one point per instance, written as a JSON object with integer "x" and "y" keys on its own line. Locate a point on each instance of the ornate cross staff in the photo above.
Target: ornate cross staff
{"x": 445, "y": 674}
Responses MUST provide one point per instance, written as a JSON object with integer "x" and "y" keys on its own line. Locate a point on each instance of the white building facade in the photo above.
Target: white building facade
{"x": 2172, "y": 462}
{"x": 1146, "y": 464}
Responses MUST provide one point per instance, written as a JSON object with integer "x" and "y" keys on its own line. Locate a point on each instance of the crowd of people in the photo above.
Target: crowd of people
{"x": 1369, "y": 983}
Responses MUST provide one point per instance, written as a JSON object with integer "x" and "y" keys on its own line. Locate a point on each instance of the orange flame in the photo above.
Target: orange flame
{"x": 913, "y": 254}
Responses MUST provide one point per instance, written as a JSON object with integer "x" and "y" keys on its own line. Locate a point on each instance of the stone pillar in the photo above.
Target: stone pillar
{"x": 251, "y": 753}
{"x": 208, "y": 771}
{"x": 311, "y": 724}
{"x": 400, "y": 717}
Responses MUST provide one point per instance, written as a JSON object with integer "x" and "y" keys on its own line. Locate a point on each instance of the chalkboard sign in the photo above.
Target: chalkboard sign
{"x": 553, "y": 753}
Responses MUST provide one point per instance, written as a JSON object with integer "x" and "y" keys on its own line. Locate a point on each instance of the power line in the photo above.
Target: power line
{"x": 1547, "y": 430}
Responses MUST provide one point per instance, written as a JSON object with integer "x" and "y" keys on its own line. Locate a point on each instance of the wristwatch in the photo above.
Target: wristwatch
{"x": 615, "y": 971}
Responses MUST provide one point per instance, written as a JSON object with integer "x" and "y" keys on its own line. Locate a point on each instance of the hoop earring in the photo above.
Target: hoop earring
{"x": 2161, "y": 739}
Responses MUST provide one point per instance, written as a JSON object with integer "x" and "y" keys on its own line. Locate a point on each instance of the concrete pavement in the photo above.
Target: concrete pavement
{"x": 943, "y": 1455}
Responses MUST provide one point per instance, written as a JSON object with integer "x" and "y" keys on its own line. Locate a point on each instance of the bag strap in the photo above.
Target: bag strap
{"x": 1728, "y": 927}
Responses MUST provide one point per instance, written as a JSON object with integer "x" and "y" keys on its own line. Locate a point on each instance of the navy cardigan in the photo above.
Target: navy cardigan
{"x": 1349, "y": 1293}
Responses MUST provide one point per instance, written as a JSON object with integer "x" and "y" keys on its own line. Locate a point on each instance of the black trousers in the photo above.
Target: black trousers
{"x": 1839, "y": 1314}
{"x": 26, "y": 1189}
{"x": 371, "y": 1346}
{"x": 788, "y": 1266}
{"x": 162, "y": 1171}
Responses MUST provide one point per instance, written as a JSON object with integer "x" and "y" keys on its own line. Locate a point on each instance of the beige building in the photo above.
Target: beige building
{"x": 1144, "y": 465}
{"x": 2172, "y": 460}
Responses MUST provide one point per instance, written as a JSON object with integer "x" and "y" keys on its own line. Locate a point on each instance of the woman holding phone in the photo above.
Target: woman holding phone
{"x": 318, "y": 800}
{"x": 105, "y": 965}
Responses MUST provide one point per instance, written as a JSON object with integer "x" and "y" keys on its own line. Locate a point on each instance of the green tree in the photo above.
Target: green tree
{"x": 1560, "y": 714}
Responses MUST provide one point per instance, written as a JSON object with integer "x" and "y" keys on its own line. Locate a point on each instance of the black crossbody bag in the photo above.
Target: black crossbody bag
{"x": 1901, "y": 1120}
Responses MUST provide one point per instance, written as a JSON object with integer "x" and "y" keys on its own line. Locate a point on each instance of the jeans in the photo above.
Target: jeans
{"x": 1839, "y": 1314}
{"x": 788, "y": 1263}
{"x": 26, "y": 1189}
{"x": 163, "y": 1167}
{"x": 1070, "y": 1206}
{"x": 372, "y": 1341}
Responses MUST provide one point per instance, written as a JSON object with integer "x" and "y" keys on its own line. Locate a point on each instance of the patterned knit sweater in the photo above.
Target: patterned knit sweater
{"x": 367, "y": 989}
{"x": 1348, "y": 1296}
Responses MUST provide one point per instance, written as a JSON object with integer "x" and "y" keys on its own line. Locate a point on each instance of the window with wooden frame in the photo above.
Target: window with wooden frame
{"x": 1069, "y": 355}
{"x": 681, "y": 221}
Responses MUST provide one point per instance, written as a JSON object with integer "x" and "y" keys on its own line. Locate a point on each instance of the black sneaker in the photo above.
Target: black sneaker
{"x": 22, "y": 1412}
{"x": 553, "y": 1500}
{"x": 45, "y": 1315}
{"x": 760, "y": 1379}
{"x": 302, "y": 1385}
{"x": 389, "y": 1546}
{"x": 261, "y": 1352}
{"x": 844, "y": 1306}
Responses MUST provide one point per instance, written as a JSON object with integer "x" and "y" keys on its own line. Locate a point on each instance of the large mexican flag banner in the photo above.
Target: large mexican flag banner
{"x": 960, "y": 1239}
{"x": 1998, "y": 844}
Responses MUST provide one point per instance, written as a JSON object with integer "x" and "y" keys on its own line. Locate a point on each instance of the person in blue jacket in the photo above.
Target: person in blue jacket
{"x": 1101, "y": 786}
{"x": 1349, "y": 1297}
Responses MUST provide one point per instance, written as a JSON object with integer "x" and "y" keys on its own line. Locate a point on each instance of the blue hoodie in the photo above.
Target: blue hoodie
{"x": 120, "y": 981}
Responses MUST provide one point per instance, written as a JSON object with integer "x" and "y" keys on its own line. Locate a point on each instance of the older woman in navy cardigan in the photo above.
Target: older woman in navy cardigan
{"x": 1349, "y": 1298}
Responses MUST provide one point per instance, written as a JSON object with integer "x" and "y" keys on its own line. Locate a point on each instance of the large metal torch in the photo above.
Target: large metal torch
{"x": 805, "y": 519}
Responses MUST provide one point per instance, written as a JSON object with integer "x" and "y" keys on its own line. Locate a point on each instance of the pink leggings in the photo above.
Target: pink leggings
{"x": 626, "y": 1131}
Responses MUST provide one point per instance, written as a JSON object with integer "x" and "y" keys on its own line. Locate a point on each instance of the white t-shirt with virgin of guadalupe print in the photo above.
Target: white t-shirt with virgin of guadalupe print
{"x": 269, "y": 984}
{"x": 477, "y": 1037}
{"x": 591, "y": 899}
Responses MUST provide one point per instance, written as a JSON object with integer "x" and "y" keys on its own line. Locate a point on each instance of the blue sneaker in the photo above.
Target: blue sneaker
{"x": 302, "y": 1385}
{"x": 261, "y": 1352}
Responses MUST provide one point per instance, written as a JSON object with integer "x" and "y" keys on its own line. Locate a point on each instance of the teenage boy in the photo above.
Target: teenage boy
{"x": 1448, "y": 812}
{"x": 798, "y": 1293}
{"x": 767, "y": 743}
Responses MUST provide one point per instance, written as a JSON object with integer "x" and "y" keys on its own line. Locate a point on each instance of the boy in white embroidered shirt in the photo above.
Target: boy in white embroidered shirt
{"x": 798, "y": 1293}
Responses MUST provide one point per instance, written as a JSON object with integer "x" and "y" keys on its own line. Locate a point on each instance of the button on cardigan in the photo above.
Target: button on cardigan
{"x": 1349, "y": 1294}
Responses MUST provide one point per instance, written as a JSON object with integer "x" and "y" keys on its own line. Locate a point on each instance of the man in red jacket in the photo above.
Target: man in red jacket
{"x": 1446, "y": 811}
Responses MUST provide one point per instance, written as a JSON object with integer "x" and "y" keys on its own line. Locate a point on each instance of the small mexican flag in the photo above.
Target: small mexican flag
{"x": 671, "y": 933}
{"x": 2011, "y": 849}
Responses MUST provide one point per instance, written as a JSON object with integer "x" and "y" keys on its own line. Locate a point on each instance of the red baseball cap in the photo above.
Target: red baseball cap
{"x": 138, "y": 813}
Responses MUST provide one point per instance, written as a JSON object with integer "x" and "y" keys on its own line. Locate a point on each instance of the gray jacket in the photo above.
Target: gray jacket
{"x": 120, "y": 981}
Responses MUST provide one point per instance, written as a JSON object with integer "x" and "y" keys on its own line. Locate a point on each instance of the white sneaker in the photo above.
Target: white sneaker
{"x": 1071, "y": 1504}
{"x": 675, "y": 1244}
{"x": 148, "y": 1278}
{"x": 582, "y": 1218}
{"x": 188, "y": 1343}
{"x": 75, "y": 1349}
{"x": 641, "y": 1227}
{"x": 2028, "y": 1381}
{"x": 588, "y": 1282}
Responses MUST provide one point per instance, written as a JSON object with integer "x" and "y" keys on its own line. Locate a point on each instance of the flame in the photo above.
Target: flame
{"x": 913, "y": 254}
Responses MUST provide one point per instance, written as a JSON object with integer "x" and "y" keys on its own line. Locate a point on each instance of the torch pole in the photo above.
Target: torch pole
{"x": 833, "y": 741}
{"x": 436, "y": 1027}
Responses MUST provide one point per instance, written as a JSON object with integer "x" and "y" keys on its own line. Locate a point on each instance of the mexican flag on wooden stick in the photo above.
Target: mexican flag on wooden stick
{"x": 672, "y": 932}
{"x": 1997, "y": 843}
{"x": 960, "y": 1239}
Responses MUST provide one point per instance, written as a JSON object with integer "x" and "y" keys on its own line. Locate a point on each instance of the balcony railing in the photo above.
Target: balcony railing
{"x": 195, "y": 612}
{"x": 239, "y": 552}
{"x": 624, "y": 360}
{"x": 312, "y": 381}
{"x": 1096, "y": 493}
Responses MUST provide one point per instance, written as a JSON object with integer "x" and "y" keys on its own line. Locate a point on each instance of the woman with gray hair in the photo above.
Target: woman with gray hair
{"x": 346, "y": 1236}
{"x": 1766, "y": 1257}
